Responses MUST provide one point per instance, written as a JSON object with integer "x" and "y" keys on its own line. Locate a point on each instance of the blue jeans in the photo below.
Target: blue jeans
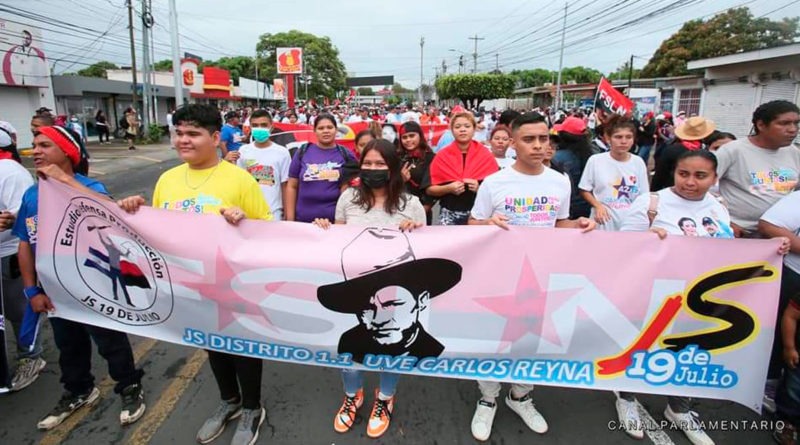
{"x": 74, "y": 341}
{"x": 644, "y": 153}
{"x": 15, "y": 303}
{"x": 353, "y": 380}
{"x": 787, "y": 397}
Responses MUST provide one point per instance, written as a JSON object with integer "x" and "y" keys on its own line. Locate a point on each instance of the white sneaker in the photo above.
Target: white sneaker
{"x": 629, "y": 420}
{"x": 689, "y": 423}
{"x": 527, "y": 411}
{"x": 483, "y": 419}
{"x": 27, "y": 372}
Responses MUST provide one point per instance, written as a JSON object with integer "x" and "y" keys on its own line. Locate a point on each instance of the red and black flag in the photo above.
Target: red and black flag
{"x": 131, "y": 273}
{"x": 610, "y": 100}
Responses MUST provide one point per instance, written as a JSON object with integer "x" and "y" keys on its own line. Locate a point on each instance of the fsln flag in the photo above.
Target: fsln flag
{"x": 610, "y": 100}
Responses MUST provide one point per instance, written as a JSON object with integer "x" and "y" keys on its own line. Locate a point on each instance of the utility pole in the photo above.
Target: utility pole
{"x": 561, "y": 59}
{"x": 460, "y": 64}
{"x": 444, "y": 67}
{"x": 258, "y": 83}
{"x": 147, "y": 22}
{"x": 133, "y": 54}
{"x": 421, "y": 45}
{"x": 497, "y": 62}
{"x": 630, "y": 75}
{"x": 176, "y": 54}
{"x": 475, "y": 53}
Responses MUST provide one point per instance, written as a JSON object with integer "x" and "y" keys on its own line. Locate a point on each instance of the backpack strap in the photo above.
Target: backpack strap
{"x": 652, "y": 209}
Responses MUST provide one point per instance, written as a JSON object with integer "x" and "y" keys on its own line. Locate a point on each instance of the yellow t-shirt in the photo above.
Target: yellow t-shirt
{"x": 207, "y": 191}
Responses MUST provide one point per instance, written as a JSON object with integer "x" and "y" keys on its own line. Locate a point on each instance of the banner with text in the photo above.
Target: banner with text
{"x": 611, "y": 311}
{"x": 610, "y": 100}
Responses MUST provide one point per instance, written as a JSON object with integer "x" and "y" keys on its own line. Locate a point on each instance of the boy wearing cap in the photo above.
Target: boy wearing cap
{"x": 56, "y": 153}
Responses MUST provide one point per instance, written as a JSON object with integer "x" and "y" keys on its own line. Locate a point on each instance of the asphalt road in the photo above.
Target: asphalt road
{"x": 301, "y": 400}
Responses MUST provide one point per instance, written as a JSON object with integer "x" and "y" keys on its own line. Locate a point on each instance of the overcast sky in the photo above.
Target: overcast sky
{"x": 374, "y": 38}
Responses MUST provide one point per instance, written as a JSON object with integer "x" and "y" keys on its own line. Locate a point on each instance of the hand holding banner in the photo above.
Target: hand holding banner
{"x": 610, "y": 311}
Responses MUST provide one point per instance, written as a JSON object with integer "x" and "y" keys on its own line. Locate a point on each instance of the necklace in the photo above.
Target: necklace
{"x": 186, "y": 177}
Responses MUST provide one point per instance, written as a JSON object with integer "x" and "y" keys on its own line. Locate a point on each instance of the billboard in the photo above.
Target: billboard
{"x": 371, "y": 81}
{"x": 290, "y": 60}
{"x": 24, "y": 62}
{"x": 278, "y": 89}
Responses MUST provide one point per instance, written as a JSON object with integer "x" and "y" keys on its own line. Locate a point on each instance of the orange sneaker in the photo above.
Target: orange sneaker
{"x": 380, "y": 417}
{"x": 346, "y": 416}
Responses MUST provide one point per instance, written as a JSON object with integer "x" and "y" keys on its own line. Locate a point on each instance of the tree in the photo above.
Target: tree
{"x": 97, "y": 69}
{"x": 400, "y": 89}
{"x": 472, "y": 89}
{"x": 733, "y": 31}
{"x": 532, "y": 78}
{"x": 163, "y": 65}
{"x": 320, "y": 57}
{"x": 623, "y": 72}
{"x": 239, "y": 66}
{"x": 580, "y": 74}
{"x": 365, "y": 91}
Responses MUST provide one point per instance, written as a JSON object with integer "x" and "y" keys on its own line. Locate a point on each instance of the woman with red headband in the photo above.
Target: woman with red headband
{"x": 56, "y": 154}
{"x": 416, "y": 157}
{"x": 457, "y": 171}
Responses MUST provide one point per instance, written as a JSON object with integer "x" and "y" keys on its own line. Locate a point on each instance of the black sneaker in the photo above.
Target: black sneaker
{"x": 132, "y": 404}
{"x": 68, "y": 404}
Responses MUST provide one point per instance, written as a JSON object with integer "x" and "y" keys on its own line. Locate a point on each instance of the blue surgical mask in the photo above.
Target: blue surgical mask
{"x": 260, "y": 134}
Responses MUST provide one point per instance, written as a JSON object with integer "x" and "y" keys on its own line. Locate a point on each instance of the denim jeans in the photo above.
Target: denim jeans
{"x": 74, "y": 341}
{"x": 353, "y": 380}
{"x": 14, "y": 304}
{"x": 787, "y": 397}
{"x": 644, "y": 153}
{"x": 790, "y": 285}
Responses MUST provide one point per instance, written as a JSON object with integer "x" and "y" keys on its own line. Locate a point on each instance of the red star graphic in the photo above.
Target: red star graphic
{"x": 524, "y": 310}
{"x": 229, "y": 301}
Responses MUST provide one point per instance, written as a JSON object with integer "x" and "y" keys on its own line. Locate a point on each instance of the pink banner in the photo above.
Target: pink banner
{"x": 610, "y": 311}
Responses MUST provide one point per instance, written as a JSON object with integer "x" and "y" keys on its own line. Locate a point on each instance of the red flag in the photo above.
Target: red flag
{"x": 612, "y": 101}
{"x": 327, "y": 101}
{"x": 351, "y": 95}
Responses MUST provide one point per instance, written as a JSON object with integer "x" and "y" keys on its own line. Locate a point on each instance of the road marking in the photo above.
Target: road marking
{"x": 156, "y": 415}
{"x": 106, "y": 386}
{"x": 97, "y": 172}
{"x": 146, "y": 158}
{"x": 658, "y": 436}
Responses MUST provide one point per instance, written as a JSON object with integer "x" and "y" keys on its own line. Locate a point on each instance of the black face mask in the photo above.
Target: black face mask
{"x": 374, "y": 179}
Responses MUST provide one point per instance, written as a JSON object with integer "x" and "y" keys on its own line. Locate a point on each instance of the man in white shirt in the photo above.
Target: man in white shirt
{"x": 410, "y": 116}
{"x": 525, "y": 194}
{"x": 394, "y": 116}
{"x": 267, "y": 162}
{"x": 14, "y": 181}
{"x": 361, "y": 116}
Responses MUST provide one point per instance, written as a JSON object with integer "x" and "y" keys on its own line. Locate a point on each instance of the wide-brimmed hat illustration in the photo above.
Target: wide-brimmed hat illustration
{"x": 378, "y": 258}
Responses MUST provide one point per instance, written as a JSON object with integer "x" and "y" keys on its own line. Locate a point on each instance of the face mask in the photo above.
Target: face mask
{"x": 374, "y": 179}
{"x": 260, "y": 134}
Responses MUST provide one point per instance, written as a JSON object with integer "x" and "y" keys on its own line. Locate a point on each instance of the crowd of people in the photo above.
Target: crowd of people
{"x": 673, "y": 176}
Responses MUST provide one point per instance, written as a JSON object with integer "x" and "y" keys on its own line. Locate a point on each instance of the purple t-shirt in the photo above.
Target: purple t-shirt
{"x": 318, "y": 176}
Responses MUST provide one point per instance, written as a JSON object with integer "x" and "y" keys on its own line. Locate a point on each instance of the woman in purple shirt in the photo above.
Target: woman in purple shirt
{"x": 317, "y": 175}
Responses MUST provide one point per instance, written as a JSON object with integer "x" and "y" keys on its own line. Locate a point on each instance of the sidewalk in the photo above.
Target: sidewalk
{"x": 115, "y": 158}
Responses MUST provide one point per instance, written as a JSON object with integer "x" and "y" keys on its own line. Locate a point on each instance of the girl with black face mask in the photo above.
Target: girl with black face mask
{"x": 380, "y": 200}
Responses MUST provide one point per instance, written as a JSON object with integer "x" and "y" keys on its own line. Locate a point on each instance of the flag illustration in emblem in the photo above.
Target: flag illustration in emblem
{"x": 132, "y": 275}
{"x": 115, "y": 266}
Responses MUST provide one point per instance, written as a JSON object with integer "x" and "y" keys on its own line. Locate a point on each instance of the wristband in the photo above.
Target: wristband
{"x": 32, "y": 291}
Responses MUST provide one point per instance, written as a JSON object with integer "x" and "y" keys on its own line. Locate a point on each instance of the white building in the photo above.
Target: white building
{"x": 25, "y": 83}
{"x": 735, "y": 85}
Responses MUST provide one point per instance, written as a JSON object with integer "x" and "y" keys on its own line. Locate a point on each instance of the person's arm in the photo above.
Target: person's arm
{"x": 586, "y": 224}
{"x": 600, "y": 212}
{"x": 772, "y": 231}
{"x": 453, "y": 188}
{"x": 290, "y": 199}
{"x": 223, "y": 146}
{"x": 54, "y": 172}
{"x": 788, "y": 331}
{"x": 27, "y": 268}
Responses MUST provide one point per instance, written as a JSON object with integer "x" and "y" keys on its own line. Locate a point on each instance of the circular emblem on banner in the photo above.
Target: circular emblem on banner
{"x": 109, "y": 268}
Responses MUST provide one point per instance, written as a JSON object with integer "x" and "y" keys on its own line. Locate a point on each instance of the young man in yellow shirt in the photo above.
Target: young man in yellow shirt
{"x": 206, "y": 184}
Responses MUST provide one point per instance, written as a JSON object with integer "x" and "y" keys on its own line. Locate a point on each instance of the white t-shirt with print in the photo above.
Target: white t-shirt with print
{"x": 786, "y": 214}
{"x": 679, "y": 216}
{"x": 752, "y": 179}
{"x": 527, "y": 200}
{"x": 270, "y": 168}
{"x": 14, "y": 180}
{"x": 615, "y": 184}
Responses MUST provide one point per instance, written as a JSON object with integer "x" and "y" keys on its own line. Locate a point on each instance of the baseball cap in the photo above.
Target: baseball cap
{"x": 571, "y": 125}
